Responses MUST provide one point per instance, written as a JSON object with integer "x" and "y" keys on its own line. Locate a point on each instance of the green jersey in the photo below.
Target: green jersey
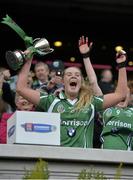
{"x": 118, "y": 128}
{"x": 76, "y": 127}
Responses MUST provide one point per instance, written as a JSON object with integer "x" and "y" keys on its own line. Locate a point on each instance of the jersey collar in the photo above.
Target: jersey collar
{"x": 63, "y": 96}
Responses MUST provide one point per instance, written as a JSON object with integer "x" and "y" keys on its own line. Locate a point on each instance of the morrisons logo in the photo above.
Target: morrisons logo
{"x": 119, "y": 124}
{"x": 75, "y": 123}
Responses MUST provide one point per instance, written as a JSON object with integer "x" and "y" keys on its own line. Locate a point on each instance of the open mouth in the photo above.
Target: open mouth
{"x": 73, "y": 84}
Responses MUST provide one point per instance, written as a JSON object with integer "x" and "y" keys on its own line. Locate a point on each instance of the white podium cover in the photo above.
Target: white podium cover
{"x": 29, "y": 127}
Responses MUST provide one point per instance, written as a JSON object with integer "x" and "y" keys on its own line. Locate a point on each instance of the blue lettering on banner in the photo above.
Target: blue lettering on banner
{"x": 41, "y": 128}
{"x": 11, "y": 131}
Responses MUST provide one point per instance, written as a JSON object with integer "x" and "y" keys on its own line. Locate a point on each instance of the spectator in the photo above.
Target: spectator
{"x": 12, "y": 82}
{"x": 76, "y": 104}
{"x": 22, "y": 105}
{"x": 56, "y": 68}
{"x": 105, "y": 83}
{"x": 43, "y": 83}
{"x": 130, "y": 85}
{"x": 7, "y": 94}
{"x": 55, "y": 84}
{"x": 4, "y": 107}
{"x": 41, "y": 73}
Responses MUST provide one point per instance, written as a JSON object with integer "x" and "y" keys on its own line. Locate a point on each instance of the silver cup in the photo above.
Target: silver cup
{"x": 16, "y": 59}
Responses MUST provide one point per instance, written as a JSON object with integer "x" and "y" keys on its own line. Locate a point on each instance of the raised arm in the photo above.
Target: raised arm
{"x": 22, "y": 88}
{"x": 121, "y": 89}
{"x": 85, "y": 51}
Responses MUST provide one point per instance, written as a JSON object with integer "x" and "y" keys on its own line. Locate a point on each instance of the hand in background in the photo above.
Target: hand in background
{"x": 121, "y": 56}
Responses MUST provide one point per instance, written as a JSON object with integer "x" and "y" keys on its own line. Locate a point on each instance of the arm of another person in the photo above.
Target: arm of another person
{"x": 121, "y": 89}
{"x": 22, "y": 88}
{"x": 85, "y": 50}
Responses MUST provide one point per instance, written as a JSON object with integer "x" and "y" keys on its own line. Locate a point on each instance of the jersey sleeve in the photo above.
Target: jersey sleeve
{"x": 98, "y": 103}
{"x": 45, "y": 102}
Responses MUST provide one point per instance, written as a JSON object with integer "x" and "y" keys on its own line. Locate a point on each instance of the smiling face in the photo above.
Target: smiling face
{"x": 42, "y": 72}
{"x": 72, "y": 82}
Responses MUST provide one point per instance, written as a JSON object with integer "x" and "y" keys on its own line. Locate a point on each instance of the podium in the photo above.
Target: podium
{"x": 29, "y": 127}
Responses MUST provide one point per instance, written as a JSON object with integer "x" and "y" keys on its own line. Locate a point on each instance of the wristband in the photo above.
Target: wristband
{"x": 121, "y": 65}
{"x": 86, "y": 55}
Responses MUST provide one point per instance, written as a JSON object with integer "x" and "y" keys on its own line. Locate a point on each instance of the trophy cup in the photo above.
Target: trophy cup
{"x": 15, "y": 59}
